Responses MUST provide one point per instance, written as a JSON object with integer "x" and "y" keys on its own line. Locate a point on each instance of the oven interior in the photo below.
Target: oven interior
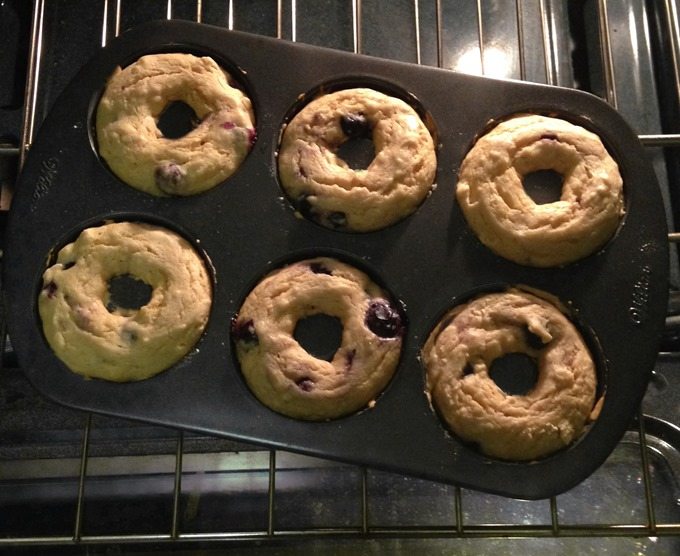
{"x": 73, "y": 481}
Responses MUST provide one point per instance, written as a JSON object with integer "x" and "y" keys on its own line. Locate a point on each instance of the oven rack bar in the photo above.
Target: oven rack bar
{"x": 457, "y": 530}
{"x": 111, "y": 21}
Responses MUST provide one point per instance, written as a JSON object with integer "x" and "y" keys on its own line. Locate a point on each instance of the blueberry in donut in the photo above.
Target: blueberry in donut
{"x": 547, "y": 413}
{"x": 283, "y": 374}
{"x": 128, "y": 122}
{"x": 510, "y": 222}
{"x": 99, "y": 335}
{"x": 383, "y": 188}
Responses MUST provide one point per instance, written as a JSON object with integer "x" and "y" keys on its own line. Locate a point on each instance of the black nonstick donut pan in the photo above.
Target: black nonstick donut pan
{"x": 429, "y": 261}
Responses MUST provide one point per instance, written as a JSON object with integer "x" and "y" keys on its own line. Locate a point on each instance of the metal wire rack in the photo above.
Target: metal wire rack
{"x": 428, "y": 33}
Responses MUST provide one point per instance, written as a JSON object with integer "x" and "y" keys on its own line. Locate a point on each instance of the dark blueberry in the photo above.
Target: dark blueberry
{"x": 252, "y": 136}
{"x": 337, "y": 219}
{"x": 50, "y": 289}
{"x": 305, "y": 384}
{"x": 169, "y": 177}
{"x": 383, "y": 320}
{"x": 349, "y": 359}
{"x": 549, "y": 136}
{"x": 318, "y": 268}
{"x": 305, "y": 207}
{"x": 468, "y": 369}
{"x": 244, "y": 331}
{"x": 533, "y": 340}
{"x": 355, "y": 125}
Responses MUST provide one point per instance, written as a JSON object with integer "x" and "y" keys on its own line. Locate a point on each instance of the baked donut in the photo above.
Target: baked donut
{"x": 97, "y": 339}
{"x": 458, "y": 356}
{"x": 136, "y": 150}
{"x": 288, "y": 379}
{"x": 505, "y": 217}
{"x": 325, "y": 189}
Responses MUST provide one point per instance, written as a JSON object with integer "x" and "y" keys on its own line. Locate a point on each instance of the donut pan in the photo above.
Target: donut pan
{"x": 429, "y": 261}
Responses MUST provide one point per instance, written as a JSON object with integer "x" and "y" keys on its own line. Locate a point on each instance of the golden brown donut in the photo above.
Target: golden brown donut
{"x": 288, "y": 379}
{"x": 136, "y": 150}
{"x": 322, "y": 185}
{"x": 460, "y": 351}
{"x": 97, "y": 340}
{"x": 505, "y": 217}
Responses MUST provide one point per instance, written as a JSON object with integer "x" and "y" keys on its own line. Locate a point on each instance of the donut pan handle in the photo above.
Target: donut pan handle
{"x": 428, "y": 261}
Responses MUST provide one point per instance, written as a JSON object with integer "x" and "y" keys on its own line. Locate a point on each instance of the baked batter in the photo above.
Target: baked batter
{"x": 505, "y": 217}
{"x": 458, "y": 355}
{"x": 282, "y": 374}
{"x": 325, "y": 189}
{"x": 97, "y": 340}
{"x": 136, "y": 150}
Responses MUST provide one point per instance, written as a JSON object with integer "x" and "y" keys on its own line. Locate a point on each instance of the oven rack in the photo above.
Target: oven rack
{"x": 267, "y": 462}
{"x": 650, "y": 522}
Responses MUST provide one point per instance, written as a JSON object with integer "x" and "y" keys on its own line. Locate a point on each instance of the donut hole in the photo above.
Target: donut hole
{"x": 177, "y": 119}
{"x": 181, "y": 121}
{"x": 326, "y": 160}
{"x": 127, "y": 293}
{"x": 319, "y": 335}
{"x": 358, "y": 151}
{"x": 514, "y": 373}
{"x": 543, "y": 186}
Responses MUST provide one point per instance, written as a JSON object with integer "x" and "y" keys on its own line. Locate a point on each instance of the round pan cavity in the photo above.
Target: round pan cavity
{"x": 541, "y": 190}
{"x": 354, "y": 157}
{"x": 171, "y": 124}
{"x": 124, "y": 301}
{"x": 512, "y": 373}
{"x": 318, "y": 339}
{"x": 428, "y": 260}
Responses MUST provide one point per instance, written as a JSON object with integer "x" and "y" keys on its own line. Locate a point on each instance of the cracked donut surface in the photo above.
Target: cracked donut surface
{"x": 506, "y": 219}
{"x": 135, "y": 149}
{"x": 99, "y": 340}
{"x": 458, "y": 356}
{"x": 291, "y": 381}
{"x": 324, "y": 188}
